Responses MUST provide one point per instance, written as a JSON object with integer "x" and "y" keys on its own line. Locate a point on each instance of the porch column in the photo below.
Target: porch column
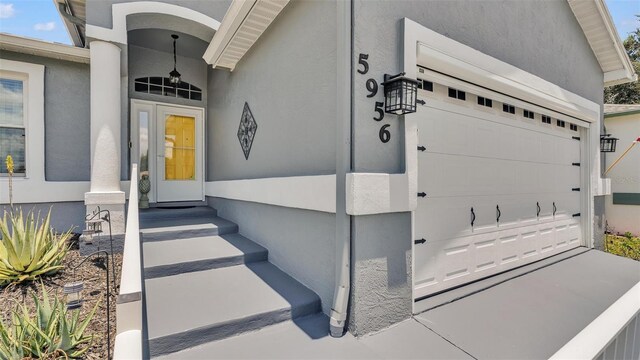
{"x": 105, "y": 134}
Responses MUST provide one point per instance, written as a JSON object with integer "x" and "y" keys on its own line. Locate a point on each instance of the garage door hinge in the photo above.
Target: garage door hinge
{"x": 421, "y": 102}
{"x": 576, "y": 215}
{"x": 576, "y": 138}
{"x": 422, "y": 194}
{"x": 420, "y": 241}
{"x": 422, "y": 148}
{"x": 575, "y": 164}
{"x": 575, "y": 189}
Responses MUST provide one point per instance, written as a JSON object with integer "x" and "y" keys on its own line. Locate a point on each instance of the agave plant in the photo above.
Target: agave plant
{"x": 30, "y": 249}
{"x": 50, "y": 334}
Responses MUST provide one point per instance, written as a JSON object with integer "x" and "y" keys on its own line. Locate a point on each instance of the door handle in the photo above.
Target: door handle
{"x": 554, "y": 208}
{"x": 160, "y": 156}
{"x": 538, "y": 209}
{"x": 498, "y": 213}
{"x": 473, "y": 216}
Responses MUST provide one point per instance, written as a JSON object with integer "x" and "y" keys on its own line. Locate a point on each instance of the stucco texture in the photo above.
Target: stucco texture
{"x": 66, "y": 117}
{"x": 288, "y": 79}
{"x": 540, "y": 37}
{"x": 300, "y": 242}
{"x": 64, "y": 215}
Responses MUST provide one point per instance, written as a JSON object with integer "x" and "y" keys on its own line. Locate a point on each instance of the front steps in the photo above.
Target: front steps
{"x": 205, "y": 282}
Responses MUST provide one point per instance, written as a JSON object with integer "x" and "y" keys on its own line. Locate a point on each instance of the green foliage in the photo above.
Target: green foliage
{"x": 627, "y": 246}
{"x": 628, "y": 235}
{"x": 30, "y": 249}
{"x": 49, "y": 334}
{"x": 627, "y": 93}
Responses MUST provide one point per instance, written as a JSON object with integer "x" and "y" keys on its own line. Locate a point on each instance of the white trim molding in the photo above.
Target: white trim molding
{"x": 597, "y": 25}
{"x": 601, "y": 333}
{"x": 29, "y": 46}
{"x": 315, "y": 192}
{"x": 242, "y": 26}
{"x": 120, "y": 12}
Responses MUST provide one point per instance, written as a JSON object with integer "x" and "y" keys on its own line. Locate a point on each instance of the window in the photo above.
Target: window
{"x": 12, "y": 125}
{"x": 157, "y": 85}
{"x": 560, "y": 123}
{"x": 425, "y": 85}
{"x": 457, "y": 94}
{"x": 485, "y": 102}
{"x": 546, "y": 119}
{"x": 509, "y": 108}
{"x": 528, "y": 114}
{"x": 573, "y": 127}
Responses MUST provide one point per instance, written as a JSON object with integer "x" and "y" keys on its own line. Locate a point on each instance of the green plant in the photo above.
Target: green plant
{"x": 30, "y": 249}
{"x": 50, "y": 334}
{"x": 623, "y": 246}
{"x": 9, "y": 163}
{"x": 628, "y": 235}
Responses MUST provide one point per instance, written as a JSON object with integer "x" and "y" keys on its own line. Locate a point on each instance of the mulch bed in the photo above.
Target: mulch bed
{"x": 92, "y": 273}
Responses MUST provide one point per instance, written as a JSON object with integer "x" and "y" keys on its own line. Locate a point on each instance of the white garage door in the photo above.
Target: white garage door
{"x": 502, "y": 188}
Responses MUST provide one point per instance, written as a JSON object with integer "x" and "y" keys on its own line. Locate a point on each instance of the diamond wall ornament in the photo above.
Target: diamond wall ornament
{"x": 247, "y": 130}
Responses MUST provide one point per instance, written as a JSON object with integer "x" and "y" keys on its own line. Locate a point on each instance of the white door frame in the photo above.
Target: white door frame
{"x": 151, "y": 107}
{"x": 447, "y": 56}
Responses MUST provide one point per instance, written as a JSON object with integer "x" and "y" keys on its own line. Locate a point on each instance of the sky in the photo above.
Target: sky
{"x": 39, "y": 18}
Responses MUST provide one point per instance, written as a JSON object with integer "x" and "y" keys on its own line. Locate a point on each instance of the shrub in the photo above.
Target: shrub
{"x": 50, "y": 334}
{"x": 30, "y": 249}
{"x": 623, "y": 246}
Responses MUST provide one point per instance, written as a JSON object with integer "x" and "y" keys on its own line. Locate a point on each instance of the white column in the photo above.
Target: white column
{"x": 105, "y": 133}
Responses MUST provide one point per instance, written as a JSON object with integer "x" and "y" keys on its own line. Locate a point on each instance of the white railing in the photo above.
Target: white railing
{"x": 128, "y": 343}
{"x": 612, "y": 335}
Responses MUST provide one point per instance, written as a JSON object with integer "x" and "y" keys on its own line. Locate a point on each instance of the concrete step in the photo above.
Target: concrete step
{"x": 180, "y": 212}
{"x": 172, "y": 257}
{"x": 198, "y": 307}
{"x": 158, "y": 229}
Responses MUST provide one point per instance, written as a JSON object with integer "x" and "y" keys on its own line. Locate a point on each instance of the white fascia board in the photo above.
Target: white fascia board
{"x": 628, "y": 75}
{"x": 25, "y": 45}
{"x": 618, "y": 77}
{"x": 118, "y": 32}
{"x": 315, "y": 192}
{"x": 238, "y": 11}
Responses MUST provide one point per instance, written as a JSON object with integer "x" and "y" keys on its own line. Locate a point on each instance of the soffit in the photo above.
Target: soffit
{"x": 598, "y": 28}
{"x": 242, "y": 26}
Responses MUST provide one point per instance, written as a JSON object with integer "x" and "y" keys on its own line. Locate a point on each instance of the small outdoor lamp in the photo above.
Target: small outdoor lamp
{"x": 400, "y": 94}
{"x": 174, "y": 75}
{"x": 73, "y": 294}
{"x": 607, "y": 143}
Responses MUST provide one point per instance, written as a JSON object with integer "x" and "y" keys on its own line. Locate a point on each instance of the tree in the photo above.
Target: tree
{"x": 628, "y": 93}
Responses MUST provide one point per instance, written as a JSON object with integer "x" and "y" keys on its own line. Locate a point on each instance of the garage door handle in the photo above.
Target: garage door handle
{"x": 554, "y": 208}
{"x": 498, "y": 213}
{"x": 538, "y": 207}
{"x": 473, "y": 216}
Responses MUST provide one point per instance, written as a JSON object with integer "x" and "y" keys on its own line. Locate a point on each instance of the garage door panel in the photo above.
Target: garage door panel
{"x": 474, "y": 162}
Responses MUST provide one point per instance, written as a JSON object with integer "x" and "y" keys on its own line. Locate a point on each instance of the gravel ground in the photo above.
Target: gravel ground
{"x": 92, "y": 272}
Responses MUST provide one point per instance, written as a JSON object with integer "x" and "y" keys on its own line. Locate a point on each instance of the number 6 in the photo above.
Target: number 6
{"x": 384, "y": 134}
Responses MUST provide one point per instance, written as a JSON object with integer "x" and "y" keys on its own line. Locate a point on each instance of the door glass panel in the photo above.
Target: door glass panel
{"x": 143, "y": 120}
{"x": 180, "y": 148}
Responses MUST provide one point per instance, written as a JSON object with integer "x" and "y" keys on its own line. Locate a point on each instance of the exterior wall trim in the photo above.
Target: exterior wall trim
{"x": 118, "y": 32}
{"x": 315, "y": 192}
{"x": 25, "y": 45}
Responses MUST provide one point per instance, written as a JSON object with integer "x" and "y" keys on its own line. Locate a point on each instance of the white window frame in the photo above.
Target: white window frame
{"x": 24, "y": 78}
{"x": 32, "y": 77}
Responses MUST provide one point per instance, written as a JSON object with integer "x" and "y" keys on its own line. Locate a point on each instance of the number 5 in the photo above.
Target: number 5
{"x": 362, "y": 60}
{"x": 379, "y": 110}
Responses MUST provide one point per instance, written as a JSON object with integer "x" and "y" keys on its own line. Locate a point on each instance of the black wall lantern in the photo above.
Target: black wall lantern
{"x": 174, "y": 75}
{"x": 607, "y": 143}
{"x": 400, "y": 94}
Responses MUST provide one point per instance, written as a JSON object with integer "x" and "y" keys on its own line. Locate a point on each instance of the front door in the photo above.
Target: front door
{"x": 179, "y": 154}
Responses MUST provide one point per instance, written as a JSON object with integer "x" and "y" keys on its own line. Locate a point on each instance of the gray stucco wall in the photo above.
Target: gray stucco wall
{"x": 64, "y": 215}
{"x": 300, "y": 242}
{"x": 288, "y": 79}
{"x": 541, "y": 37}
{"x": 99, "y": 11}
{"x": 66, "y": 117}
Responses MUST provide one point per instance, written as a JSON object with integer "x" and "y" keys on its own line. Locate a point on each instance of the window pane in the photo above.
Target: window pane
{"x": 11, "y": 102}
{"x": 12, "y": 143}
{"x": 180, "y": 148}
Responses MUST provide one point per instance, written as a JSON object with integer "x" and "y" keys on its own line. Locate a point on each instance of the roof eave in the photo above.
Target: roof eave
{"x": 25, "y": 45}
